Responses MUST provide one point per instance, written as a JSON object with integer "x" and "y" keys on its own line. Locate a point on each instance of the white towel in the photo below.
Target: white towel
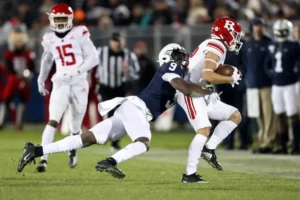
{"x": 106, "y": 106}
{"x": 253, "y": 103}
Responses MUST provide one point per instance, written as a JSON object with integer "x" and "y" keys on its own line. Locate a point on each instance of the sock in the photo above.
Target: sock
{"x": 195, "y": 151}
{"x": 130, "y": 151}
{"x": 47, "y": 138}
{"x": 67, "y": 144}
{"x": 222, "y": 130}
{"x": 283, "y": 138}
{"x": 296, "y": 132}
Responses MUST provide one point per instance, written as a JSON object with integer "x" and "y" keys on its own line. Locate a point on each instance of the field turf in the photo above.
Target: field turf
{"x": 153, "y": 176}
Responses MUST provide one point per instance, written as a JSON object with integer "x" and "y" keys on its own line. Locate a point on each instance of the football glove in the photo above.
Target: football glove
{"x": 42, "y": 90}
{"x": 237, "y": 76}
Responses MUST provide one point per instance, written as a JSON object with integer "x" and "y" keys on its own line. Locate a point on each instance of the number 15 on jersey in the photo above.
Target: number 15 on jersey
{"x": 66, "y": 56}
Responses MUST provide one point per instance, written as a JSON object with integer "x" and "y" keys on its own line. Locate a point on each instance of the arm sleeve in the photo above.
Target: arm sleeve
{"x": 99, "y": 66}
{"x": 168, "y": 77}
{"x": 215, "y": 47}
{"x": 268, "y": 65}
{"x": 134, "y": 67}
{"x": 46, "y": 65}
{"x": 91, "y": 57}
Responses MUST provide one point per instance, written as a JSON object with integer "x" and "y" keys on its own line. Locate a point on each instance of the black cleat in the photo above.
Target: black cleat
{"x": 73, "y": 159}
{"x": 193, "y": 178}
{"x": 106, "y": 166}
{"x": 211, "y": 158}
{"x": 42, "y": 166}
{"x": 27, "y": 157}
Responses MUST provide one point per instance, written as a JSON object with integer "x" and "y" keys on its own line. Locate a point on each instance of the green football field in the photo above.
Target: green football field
{"x": 155, "y": 175}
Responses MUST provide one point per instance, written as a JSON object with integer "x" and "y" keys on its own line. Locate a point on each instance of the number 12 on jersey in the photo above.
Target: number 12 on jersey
{"x": 63, "y": 54}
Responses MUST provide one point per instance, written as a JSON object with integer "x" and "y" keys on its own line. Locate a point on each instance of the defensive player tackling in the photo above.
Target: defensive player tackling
{"x": 74, "y": 54}
{"x": 132, "y": 116}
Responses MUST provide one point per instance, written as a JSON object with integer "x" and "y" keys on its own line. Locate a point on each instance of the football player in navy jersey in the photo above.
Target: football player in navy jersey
{"x": 284, "y": 55}
{"x": 132, "y": 116}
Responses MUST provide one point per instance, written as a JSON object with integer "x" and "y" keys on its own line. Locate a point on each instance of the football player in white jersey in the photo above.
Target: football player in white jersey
{"x": 210, "y": 54}
{"x": 74, "y": 54}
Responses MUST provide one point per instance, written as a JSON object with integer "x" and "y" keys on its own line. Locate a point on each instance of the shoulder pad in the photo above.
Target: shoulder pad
{"x": 80, "y": 31}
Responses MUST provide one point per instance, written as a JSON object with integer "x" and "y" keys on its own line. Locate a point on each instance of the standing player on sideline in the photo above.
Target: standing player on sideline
{"x": 74, "y": 54}
{"x": 225, "y": 35}
{"x": 284, "y": 55}
{"x": 132, "y": 116}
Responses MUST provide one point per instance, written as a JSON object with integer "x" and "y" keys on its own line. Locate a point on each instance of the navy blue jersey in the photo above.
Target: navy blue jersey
{"x": 284, "y": 59}
{"x": 159, "y": 94}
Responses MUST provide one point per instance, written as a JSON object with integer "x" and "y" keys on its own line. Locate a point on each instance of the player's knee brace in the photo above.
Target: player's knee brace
{"x": 145, "y": 141}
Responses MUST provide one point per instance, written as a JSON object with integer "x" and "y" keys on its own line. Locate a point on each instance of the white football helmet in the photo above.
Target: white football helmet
{"x": 282, "y": 30}
{"x": 165, "y": 55}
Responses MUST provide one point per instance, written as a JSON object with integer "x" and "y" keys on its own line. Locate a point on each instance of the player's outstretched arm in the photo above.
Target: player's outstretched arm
{"x": 46, "y": 65}
{"x": 190, "y": 89}
{"x": 210, "y": 65}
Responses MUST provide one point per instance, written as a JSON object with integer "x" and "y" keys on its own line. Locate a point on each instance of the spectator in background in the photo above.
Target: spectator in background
{"x": 198, "y": 13}
{"x": 105, "y": 22}
{"x": 148, "y": 67}
{"x": 161, "y": 13}
{"x": 20, "y": 67}
{"x": 258, "y": 85}
{"x": 117, "y": 66}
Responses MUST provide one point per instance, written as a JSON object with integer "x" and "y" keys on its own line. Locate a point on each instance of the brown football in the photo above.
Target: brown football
{"x": 225, "y": 70}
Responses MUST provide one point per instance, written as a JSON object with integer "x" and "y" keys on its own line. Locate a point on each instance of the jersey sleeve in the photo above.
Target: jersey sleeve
{"x": 45, "y": 43}
{"x": 170, "y": 71}
{"x": 215, "y": 47}
{"x": 84, "y": 32}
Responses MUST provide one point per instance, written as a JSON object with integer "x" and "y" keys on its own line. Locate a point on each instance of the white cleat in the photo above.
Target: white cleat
{"x": 73, "y": 159}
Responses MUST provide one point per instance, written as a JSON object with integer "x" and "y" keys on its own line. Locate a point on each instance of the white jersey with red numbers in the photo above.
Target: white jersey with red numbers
{"x": 67, "y": 52}
{"x": 198, "y": 109}
{"x": 198, "y": 57}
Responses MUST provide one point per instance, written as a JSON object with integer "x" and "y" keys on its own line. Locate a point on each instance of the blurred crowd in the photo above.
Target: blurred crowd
{"x": 109, "y": 13}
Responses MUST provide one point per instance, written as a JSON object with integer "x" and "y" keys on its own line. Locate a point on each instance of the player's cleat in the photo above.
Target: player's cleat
{"x": 73, "y": 158}
{"x": 211, "y": 158}
{"x": 193, "y": 178}
{"x": 27, "y": 157}
{"x": 42, "y": 166}
{"x": 106, "y": 166}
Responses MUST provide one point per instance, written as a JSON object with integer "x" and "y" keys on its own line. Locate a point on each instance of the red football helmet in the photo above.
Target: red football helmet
{"x": 229, "y": 31}
{"x": 61, "y": 10}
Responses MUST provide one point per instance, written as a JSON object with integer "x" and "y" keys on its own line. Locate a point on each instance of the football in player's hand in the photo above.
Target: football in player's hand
{"x": 225, "y": 70}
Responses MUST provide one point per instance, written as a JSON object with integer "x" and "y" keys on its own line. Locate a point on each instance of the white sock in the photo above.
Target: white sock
{"x": 67, "y": 144}
{"x": 195, "y": 151}
{"x": 222, "y": 130}
{"x": 130, "y": 151}
{"x": 47, "y": 138}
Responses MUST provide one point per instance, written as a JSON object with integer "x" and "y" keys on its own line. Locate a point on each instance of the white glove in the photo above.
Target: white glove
{"x": 236, "y": 77}
{"x": 213, "y": 98}
{"x": 42, "y": 90}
